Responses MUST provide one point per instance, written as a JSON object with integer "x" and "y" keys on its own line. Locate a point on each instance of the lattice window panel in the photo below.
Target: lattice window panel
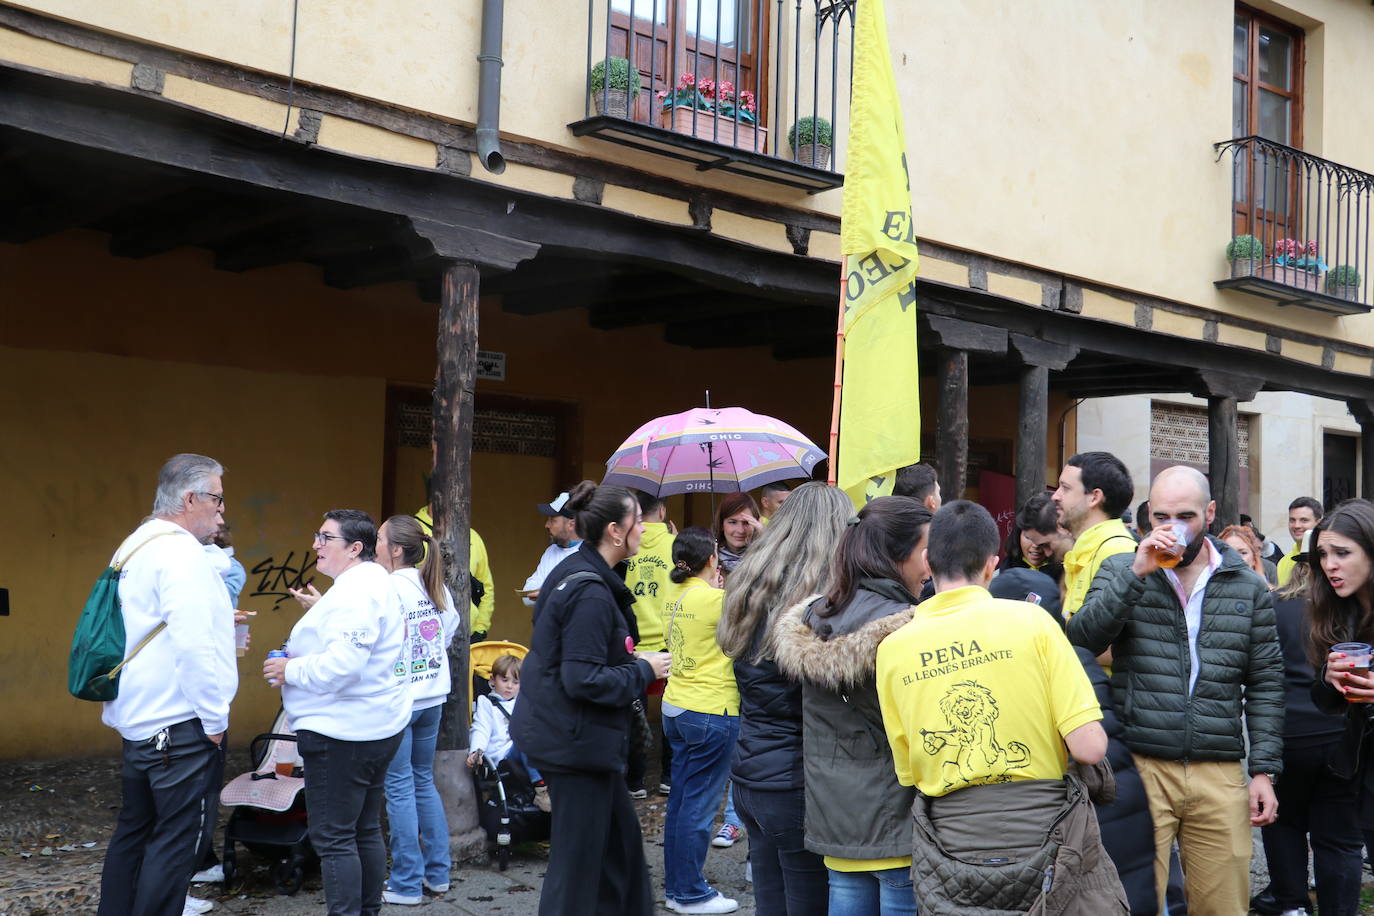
{"x": 505, "y": 432}
{"x": 1179, "y": 434}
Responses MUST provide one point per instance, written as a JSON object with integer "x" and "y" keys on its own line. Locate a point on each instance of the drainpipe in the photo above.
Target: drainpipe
{"x": 489, "y": 88}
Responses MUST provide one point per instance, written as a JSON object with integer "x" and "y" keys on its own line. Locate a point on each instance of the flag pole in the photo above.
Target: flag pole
{"x": 839, "y": 378}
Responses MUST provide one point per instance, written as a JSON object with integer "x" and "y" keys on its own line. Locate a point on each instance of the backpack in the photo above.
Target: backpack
{"x": 98, "y": 645}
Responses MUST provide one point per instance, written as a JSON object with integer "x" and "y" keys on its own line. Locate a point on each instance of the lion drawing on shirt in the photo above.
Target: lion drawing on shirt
{"x": 677, "y": 646}
{"x": 970, "y": 711}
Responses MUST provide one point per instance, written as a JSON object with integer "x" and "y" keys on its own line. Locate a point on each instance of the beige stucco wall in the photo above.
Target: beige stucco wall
{"x": 1068, "y": 136}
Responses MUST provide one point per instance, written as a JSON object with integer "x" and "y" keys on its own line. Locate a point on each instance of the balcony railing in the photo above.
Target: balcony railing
{"x": 758, "y": 87}
{"x": 1300, "y": 227}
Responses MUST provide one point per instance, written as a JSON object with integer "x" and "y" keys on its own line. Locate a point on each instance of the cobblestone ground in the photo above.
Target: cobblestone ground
{"x": 57, "y": 818}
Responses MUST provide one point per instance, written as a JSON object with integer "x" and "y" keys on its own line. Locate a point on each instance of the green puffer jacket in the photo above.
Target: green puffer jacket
{"x": 1241, "y": 669}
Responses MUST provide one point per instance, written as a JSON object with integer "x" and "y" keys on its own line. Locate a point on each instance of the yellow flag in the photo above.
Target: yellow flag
{"x": 880, "y": 420}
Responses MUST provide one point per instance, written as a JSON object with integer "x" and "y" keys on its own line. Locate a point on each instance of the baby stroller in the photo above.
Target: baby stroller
{"x": 269, "y": 815}
{"x": 505, "y": 795}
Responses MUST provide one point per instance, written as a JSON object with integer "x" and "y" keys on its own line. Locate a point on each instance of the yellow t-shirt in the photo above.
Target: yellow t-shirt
{"x": 978, "y": 690}
{"x": 647, "y": 578}
{"x": 479, "y": 616}
{"x": 1081, "y": 564}
{"x": 703, "y": 677}
{"x": 1287, "y": 562}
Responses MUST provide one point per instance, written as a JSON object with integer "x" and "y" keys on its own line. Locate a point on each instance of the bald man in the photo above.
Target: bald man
{"x": 1195, "y": 653}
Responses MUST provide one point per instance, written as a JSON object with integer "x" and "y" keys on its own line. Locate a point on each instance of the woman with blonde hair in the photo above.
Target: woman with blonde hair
{"x": 419, "y": 831}
{"x": 788, "y": 562}
{"x": 1242, "y": 540}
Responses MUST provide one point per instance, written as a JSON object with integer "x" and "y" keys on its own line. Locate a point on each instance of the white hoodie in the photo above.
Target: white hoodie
{"x": 341, "y": 678}
{"x": 188, "y": 671}
{"x": 429, "y": 632}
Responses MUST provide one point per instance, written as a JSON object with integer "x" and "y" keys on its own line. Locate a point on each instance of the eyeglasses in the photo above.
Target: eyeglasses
{"x": 321, "y": 537}
{"x": 217, "y": 497}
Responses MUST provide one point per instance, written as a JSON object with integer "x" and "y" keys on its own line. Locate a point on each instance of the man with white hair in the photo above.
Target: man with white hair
{"x": 173, "y": 704}
{"x": 1194, "y": 653}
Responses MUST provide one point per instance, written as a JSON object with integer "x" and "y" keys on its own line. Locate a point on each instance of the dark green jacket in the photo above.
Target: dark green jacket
{"x": 1241, "y": 667}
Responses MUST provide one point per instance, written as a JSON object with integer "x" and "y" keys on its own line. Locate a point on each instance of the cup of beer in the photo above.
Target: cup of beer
{"x": 1168, "y": 557}
{"x": 241, "y": 638}
{"x": 1358, "y": 653}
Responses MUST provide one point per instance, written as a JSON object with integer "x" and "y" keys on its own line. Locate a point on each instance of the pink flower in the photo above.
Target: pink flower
{"x": 1311, "y": 247}
{"x": 727, "y": 88}
{"x": 662, "y": 94}
{"x": 707, "y": 87}
{"x": 686, "y": 81}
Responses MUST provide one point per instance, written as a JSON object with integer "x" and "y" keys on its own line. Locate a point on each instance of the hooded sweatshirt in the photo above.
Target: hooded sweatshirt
{"x": 647, "y": 579}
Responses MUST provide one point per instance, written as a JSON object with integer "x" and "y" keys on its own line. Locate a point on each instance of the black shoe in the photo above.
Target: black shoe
{"x": 1265, "y": 904}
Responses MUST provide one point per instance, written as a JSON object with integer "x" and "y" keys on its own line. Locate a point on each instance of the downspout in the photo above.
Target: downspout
{"x": 489, "y": 88}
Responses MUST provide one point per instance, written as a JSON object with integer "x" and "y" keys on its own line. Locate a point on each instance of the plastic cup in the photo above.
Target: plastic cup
{"x": 1169, "y": 558}
{"x": 1359, "y": 655}
{"x": 241, "y": 639}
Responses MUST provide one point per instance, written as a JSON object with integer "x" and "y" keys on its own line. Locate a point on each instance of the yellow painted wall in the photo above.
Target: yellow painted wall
{"x": 85, "y": 434}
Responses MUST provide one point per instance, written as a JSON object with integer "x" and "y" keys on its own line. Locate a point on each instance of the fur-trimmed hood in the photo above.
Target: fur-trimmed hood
{"x": 838, "y": 652}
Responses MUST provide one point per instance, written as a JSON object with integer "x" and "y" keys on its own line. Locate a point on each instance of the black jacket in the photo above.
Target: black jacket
{"x": 855, "y": 808}
{"x": 579, "y": 679}
{"x": 1302, "y": 720}
{"x": 1127, "y": 829}
{"x": 1240, "y": 680}
{"x": 768, "y": 754}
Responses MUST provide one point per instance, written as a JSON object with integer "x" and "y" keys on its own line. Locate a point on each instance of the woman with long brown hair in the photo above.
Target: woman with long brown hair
{"x": 789, "y": 561}
{"x": 419, "y": 830}
{"x": 737, "y": 524}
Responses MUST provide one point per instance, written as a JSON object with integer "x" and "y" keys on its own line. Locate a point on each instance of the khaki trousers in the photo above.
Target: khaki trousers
{"x": 1205, "y": 806}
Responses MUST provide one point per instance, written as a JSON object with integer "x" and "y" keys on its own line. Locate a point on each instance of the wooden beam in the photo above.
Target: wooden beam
{"x": 1032, "y": 432}
{"x": 1223, "y": 460}
{"x": 951, "y": 447}
{"x": 198, "y": 226}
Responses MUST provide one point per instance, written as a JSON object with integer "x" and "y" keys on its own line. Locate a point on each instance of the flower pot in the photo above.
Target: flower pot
{"x": 1244, "y": 267}
{"x": 812, "y": 154}
{"x": 711, "y": 126}
{"x": 1290, "y": 276}
{"x": 613, "y": 102}
{"x": 1343, "y": 291}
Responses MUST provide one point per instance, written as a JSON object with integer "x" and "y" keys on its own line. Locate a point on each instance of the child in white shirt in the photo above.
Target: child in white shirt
{"x": 490, "y": 734}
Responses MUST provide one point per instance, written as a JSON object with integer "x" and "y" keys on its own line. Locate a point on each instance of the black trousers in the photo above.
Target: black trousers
{"x": 214, "y": 782}
{"x": 596, "y": 852}
{"x": 789, "y": 880}
{"x": 156, "y": 842}
{"x": 344, "y": 794}
{"x": 1314, "y": 804}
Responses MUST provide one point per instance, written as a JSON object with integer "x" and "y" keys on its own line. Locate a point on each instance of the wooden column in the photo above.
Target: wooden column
{"x": 1223, "y": 392}
{"x": 1363, "y": 412}
{"x": 952, "y": 425}
{"x": 1223, "y": 460}
{"x": 1038, "y": 358}
{"x": 1032, "y": 432}
{"x": 451, "y": 504}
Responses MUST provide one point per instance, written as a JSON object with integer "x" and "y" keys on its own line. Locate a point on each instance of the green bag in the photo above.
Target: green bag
{"x": 98, "y": 645}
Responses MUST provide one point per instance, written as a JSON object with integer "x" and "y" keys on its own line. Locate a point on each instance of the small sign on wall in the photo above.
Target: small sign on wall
{"x": 491, "y": 365}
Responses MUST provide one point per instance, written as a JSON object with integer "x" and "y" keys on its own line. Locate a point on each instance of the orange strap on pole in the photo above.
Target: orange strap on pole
{"x": 839, "y": 377}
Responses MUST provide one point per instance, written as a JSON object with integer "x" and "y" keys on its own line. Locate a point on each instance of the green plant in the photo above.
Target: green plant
{"x": 809, "y": 130}
{"x": 1244, "y": 246}
{"x": 1342, "y": 275}
{"x": 622, "y": 76}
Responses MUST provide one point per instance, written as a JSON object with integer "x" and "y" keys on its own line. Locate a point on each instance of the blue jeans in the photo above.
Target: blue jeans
{"x": 731, "y": 816}
{"x": 788, "y": 880}
{"x": 870, "y": 893}
{"x": 419, "y": 831}
{"x": 702, "y": 745}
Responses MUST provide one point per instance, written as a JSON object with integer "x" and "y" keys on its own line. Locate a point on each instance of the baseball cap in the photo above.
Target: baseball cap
{"x": 1019, "y": 583}
{"x": 556, "y": 506}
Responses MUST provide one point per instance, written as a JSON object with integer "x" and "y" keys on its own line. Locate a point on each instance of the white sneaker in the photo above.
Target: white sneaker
{"x": 726, "y": 836}
{"x": 390, "y": 896}
{"x": 212, "y": 875}
{"x": 437, "y": 888}
{"x": 195, "y": 906}
{"x": 717, "y": 904}
{"x": 748, "y": 872}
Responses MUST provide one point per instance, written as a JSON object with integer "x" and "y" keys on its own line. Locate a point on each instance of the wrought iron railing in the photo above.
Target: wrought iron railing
{"x": 1299, "y": 220}
{"x": 751, "y": 75}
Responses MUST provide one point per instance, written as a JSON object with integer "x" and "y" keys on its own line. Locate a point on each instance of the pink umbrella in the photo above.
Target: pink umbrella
{"x": 711, "y": 450}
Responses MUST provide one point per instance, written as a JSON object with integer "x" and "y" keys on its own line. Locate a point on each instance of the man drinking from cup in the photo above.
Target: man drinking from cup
{"x": 1194, "y": 650}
